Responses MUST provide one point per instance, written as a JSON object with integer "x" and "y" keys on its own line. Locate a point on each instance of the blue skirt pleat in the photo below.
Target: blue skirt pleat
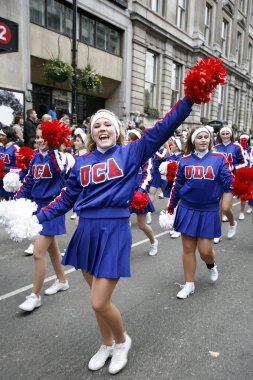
{"x": 198, "y": 223}
{"x": 52, "y": 227}
{"x": 101, "y": 247}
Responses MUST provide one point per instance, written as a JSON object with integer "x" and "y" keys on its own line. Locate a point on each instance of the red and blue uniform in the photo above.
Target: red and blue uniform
{"x": 160, "y": 156}
{"x": 42, "y": 184}
{"x": 169, "y": 184}
{"x": 101, "y": 185}
{"x": 143, "y": 181}
{"x": 234, "y": 154}
{"x": 199, "y": 185}
{"x": 8, "y": 156}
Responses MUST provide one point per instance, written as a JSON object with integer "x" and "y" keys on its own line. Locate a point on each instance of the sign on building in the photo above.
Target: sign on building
{"x": 8, "y": 36}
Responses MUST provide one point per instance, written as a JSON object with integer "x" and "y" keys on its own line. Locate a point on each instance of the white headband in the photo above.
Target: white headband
{"x": 105, "y": 115}
{"x": 80, "y": 132}
{"x": 135, "y": 132}
{"x": 195, "y": 133}
{"x": 226, "y": 129}
{"x": 244, "y": 137}
{"x": 177, "y": 141}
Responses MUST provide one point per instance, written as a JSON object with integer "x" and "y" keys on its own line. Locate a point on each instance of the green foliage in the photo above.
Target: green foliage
{"x": 57, "y": 70}
{"x": 204, "y": 120}
{"x": 151, "y": 112}
{"x": 88, "y": 79}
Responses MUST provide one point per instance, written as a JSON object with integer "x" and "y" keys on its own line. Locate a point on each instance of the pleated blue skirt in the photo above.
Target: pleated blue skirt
{"x": 167, "y": 190}
{"x": 101, "y": 247}
{"x": 198, "y": 223}
{"x": 52, "y": 227}
{"x": 157, "y": 181}
{"x": 4, "y": 193}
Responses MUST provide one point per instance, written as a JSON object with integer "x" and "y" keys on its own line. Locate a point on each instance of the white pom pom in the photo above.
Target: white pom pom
{"x": 19, "y": 220}
{"x": 3, "y": 212}
{"x": 11, "y": 182}
{"x": 166, "y": 221}
{"x": 163, "y": 167}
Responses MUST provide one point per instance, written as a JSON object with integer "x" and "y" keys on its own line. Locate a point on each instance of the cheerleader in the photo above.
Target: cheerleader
{"x": 248, "y": 152}
{"x": 44, "y": 181}
{"x": 235, "y": 156}
{"x": 201, "y": 178}
{"x": 142, "y": 185}
{"x": 8, "y": 150}
{"x": 157, "y": 182}
{"x": 175, "y": 146}
{"x": 101, "y": 185}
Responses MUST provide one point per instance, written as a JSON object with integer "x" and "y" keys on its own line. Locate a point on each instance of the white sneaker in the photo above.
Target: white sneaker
{"x": 29, "y": 250}
{"x": 149, "y": 218}
{"x": 172, "y": 232}
{"x": 56, "y": 287}
{"x": 231, "y": 231}
{"x": 213, "y": 273}
{"x": 98, "y": 360}
{"x": 160, "y": 196}
{"x": 119, "y": 356}
{"x": 153, "y": 248}
{"x": 249, "y": 211}
{"x": 224, "y": 218}
{"x": 73, "y": 216}
{"x": 175, "y": 235}
{"x": 217, "y": 240}
{"x": 32, "y": 302}
{"x": 186, "y": 291}
{"x": 241, "y": 216}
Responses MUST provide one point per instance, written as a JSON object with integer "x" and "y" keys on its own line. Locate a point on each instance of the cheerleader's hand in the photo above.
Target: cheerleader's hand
{"x": 166, "y": 221}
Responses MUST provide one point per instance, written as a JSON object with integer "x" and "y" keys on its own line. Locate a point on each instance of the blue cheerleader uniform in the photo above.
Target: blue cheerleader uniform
{"x": 101, "y": 185}
{"x": 8, "y": 156}
{"x": 43, "y": 183}
{"x": 142, "y": 184}
{"x": 199, "y": 185}
{"x": 160, "y": 156}
{"x": 169, "y": 184}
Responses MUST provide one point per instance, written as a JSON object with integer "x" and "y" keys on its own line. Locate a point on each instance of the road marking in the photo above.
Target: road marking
{"x": 20, "y": 290}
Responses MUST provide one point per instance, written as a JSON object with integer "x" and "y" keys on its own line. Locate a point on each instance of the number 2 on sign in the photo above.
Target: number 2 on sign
{"x": 3, "y": 32}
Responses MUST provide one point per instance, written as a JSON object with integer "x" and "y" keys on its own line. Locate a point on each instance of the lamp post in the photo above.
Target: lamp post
{"x": 74, "y": 51}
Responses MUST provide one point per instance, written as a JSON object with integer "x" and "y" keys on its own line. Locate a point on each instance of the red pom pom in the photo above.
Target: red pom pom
{"x": 23, "y": 157}
{"x": 243, "y": 184}
{"x": 201, "y": 82}
{"x": 171, "y": 171}
{"x": 171, "y": 211}
{"x": 56, "y": 133}
{"x": 140, "y": 201}
{"x": 2, "y": 170}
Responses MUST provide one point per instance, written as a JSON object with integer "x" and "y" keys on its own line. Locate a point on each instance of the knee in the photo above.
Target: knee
{"x": 207, "y": 255}
{"x": 142, "y": 226}
{"x": 98, "y": 306}
{"x": 37, "y": 255}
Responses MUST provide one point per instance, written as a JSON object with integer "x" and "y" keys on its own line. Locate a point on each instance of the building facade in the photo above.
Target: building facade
{"x": 168, "y": 38}
{"x": 142, "y": 49}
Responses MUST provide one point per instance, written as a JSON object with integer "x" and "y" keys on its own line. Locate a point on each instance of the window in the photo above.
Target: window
{"x": 37, "y": 12}
{"x": 57, "y": 16}
{"x": 220, "y": 114}
{"x": 157, "y": 6}
{"x": 176, "y": 72}
{"x": 87, "y": 30}
{"x": 208, "y": 12}
{"x": 242, "y": 5}
{"x": 239, "y": 47}
{"x": 250, "y": 58}
{"x": 150, "y": 79}
{"x": 235, "y": 106}
{"x": 251, "y": 19}
{"x": 224, "y": 38}
{"x": 181, "y": 10}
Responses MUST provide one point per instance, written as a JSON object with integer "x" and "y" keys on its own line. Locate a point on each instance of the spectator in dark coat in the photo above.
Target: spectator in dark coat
{"x": 30, "y": 127}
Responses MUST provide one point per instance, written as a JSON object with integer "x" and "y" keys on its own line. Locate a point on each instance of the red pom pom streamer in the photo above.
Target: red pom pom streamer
{"x": 56, "y": 133}
{"x": 243, "y": 184}
{"x": 2, "y": 170}
{"x": 201, "y": 82}
{"x": 140, "y": 201}
{"x": 171, "y": 171}
{"x": 23, "y": 157}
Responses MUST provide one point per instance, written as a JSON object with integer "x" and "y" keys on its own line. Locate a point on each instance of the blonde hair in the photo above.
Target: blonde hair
{"x": 90, "y": 143}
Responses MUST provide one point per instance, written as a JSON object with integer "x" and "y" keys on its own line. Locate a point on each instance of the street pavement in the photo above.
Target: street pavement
{"x": 206, "y": 337}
